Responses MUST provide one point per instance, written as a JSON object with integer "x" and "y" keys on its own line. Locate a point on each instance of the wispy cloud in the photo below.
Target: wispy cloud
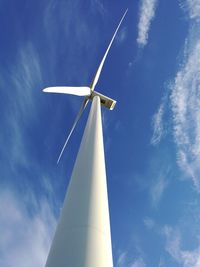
{"x": 157, "y": 190}
{"x": 98, "y": 5}
{"x": 146, "y": 15}
{"x": 161, "y": 263}
{"x": 27, "y": 223}
{"x": 121, "y": 261}
{"x": 121, "y": 36}
{"x": 186, "y": 258}
{"x": 25, "y": 237}
{"x": 193, "y": 8}
{"x": 160, "y": 122}
{"x": 149, "y": 223}
{"x": 184, "y": 102}
{"x": 138, "y": 263}
{"x": 21, "y": 82}
{"x": 127, "y": 260}
{"x": 159, "y": 185}
{"x": 186, "y": 115}
{"x": 158, "y": 126}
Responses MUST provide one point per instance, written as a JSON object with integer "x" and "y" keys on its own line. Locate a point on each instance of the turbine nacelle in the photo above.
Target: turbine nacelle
{"x": 106, "y": 101}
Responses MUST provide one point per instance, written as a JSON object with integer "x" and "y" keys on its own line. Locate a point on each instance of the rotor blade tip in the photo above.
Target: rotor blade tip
{"x": 58, "y": 160}
{"x": 125, "y": 12}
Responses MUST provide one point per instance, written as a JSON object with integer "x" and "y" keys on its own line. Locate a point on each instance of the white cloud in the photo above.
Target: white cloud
{"x": 121, "y": 259}
{"x": 121, "y": 36}
{"x": 161, "y": 263}
{"x": 26, "y": 223}
{"x": 25, "y": 235}
{"x": 97, "y": 5}
{"x": 19, "y": 84}
{"x": 126, "y": 260}
{"x": 147, "y": 13}
{"x": 149, "y": 223}
{"x": 193, "y": 7}
{"x": 138, "y": 263}
{"x": 158, "y": 187}
{"x": 157, "y": 123}
{"x": 185, "y": 100}
{"x": 187, "y": 258}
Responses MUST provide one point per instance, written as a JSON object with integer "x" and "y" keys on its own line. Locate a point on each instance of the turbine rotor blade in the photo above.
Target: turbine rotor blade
{"x": 83, "y": 106}
{"x": 96, "y": 77}
{"x": 80, "y": 91}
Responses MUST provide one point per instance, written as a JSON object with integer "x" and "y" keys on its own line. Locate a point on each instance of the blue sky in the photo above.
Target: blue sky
{"x": 152, "y": 138}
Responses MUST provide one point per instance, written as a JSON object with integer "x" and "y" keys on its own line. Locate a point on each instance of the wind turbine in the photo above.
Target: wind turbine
{"x": 82, "y": 237}
{"x": 87, "y": 92}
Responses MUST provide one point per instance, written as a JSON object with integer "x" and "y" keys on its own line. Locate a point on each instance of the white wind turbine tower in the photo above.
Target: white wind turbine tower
{"x": 82, "y": 237}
